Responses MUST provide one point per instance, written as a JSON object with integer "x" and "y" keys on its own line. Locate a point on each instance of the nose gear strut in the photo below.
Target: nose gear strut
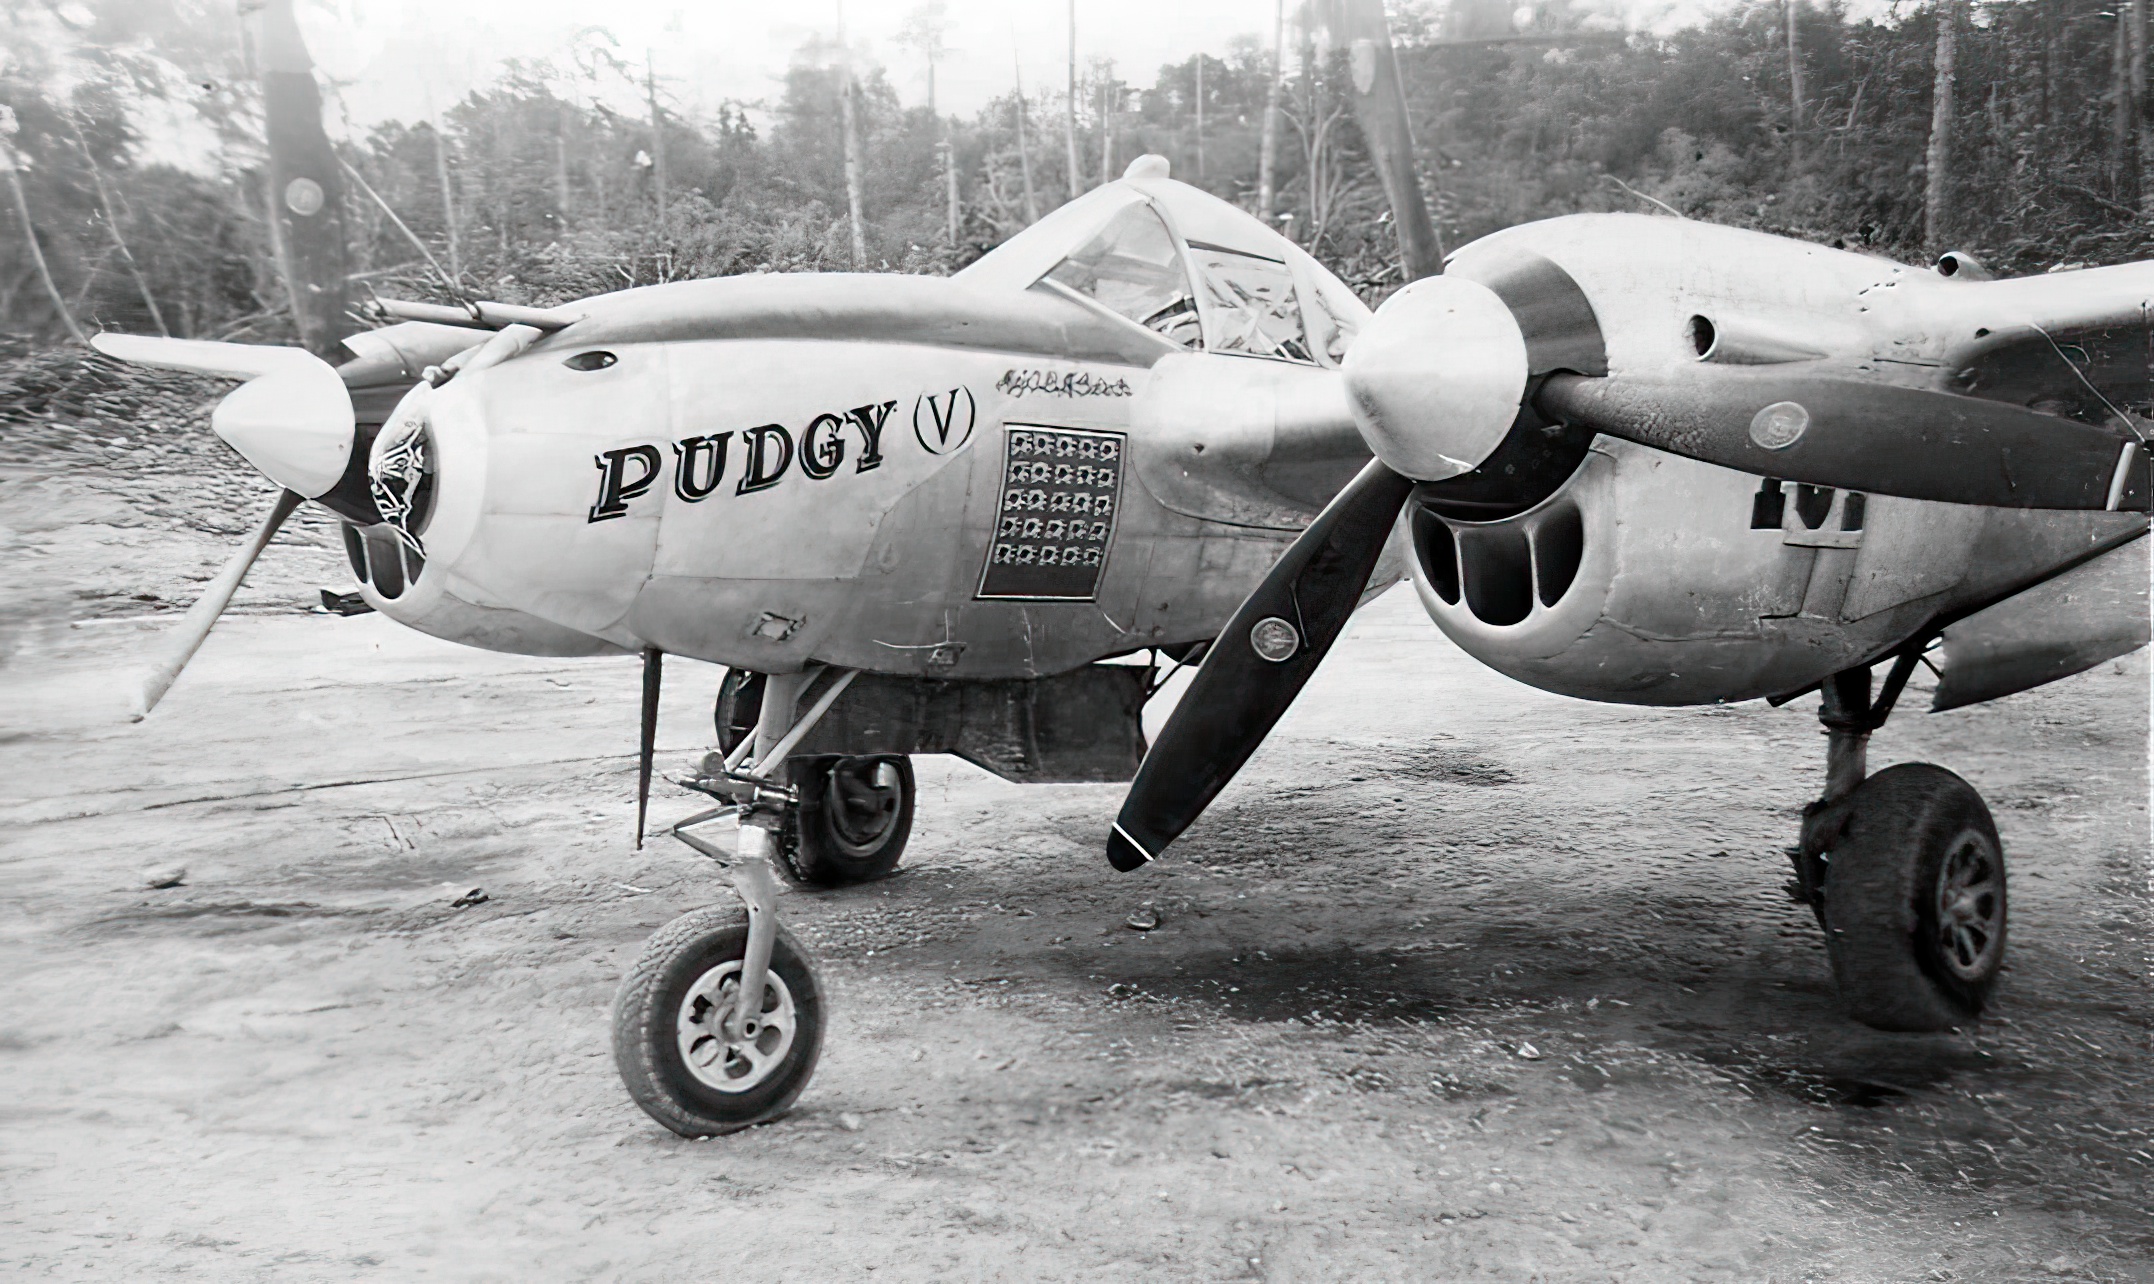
{"x": 708, "y": 998}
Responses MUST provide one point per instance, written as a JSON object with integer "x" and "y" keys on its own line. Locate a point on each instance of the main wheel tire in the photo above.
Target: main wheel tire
{"x": 855, "y": 813}
{"x": 1914, "y": 905}
{"x": 854, "y": 821}
{"x": 665, "y": 1017}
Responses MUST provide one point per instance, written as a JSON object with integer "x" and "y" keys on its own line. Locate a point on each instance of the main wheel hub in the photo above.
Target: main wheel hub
{"x": 1970, "y": 906}
{"x": 865, "y": 794}
{"x": 734, "y": 1065}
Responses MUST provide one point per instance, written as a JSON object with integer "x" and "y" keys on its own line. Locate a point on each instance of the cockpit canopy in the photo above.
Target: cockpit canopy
{"x": 1185, "y": 265}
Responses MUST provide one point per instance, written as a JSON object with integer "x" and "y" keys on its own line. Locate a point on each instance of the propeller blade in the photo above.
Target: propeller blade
{"x": 1261, "y": 661}
{"x": 647, "y": 745}
{"x": 194, "y": 627}
{"x": 292, "y": 419}
{"x": 1854, "y": 435}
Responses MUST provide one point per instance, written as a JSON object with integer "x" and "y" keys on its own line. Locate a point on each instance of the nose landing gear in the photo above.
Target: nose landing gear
{"x": 695, "y": 1056}
{"x": 719, "y": 1024}
{"x": 1905, "y": 871}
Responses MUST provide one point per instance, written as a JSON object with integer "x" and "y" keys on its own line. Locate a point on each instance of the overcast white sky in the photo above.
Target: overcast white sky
{"x": 396, "y": 57}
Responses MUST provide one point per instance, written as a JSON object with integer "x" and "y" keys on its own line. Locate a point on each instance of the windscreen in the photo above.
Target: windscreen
{"x": 1253, "y": 297}
{"x": 1131, "y": 267}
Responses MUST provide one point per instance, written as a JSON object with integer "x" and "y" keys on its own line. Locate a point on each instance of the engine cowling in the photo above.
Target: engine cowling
{"x": 1647, "y": 578}
{"x": 425, "y": 471}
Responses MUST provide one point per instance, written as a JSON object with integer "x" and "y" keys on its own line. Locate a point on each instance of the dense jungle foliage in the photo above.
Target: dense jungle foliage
{"x": 534, "y": 189}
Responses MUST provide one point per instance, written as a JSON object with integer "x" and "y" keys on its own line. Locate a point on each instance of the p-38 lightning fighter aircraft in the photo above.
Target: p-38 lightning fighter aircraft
{"x": 913, "y": 515}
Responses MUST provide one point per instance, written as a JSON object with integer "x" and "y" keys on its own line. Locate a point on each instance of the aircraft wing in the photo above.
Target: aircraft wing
{"x": 2074, "y": 343}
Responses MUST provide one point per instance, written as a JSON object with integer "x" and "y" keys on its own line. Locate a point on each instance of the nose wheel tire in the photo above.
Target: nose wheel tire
{"x": 669, "y": 1042}
{"x": 1914, "y": 901}
{"x": 855, "y": 818}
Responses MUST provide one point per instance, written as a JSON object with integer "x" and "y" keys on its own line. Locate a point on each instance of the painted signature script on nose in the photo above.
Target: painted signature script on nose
{"x": 1053, "y": 383}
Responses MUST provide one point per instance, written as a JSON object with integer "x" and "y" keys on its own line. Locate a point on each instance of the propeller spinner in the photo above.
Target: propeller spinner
{"x": 292, "y": 419}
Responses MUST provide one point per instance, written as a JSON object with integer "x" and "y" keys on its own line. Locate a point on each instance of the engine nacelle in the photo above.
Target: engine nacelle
{"x": 1647, "y": 578}
{"x": 426, "y": 468}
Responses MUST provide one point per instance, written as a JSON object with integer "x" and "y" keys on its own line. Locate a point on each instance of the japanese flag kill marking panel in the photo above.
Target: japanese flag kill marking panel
{"x": 1061, "y": 488}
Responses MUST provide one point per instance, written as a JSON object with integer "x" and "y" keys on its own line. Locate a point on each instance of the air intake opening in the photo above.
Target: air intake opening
{"x": 1438, "y": 552}
{"x": 1497, "y": 569}
{"x": 1851, "y": 512}
{"x": 1702, "y": 334}
{"x": 1813, "y": 504}
{"x": 1559, "y": 544}
{"x": 1769, "y": 507}
{"x": 355, "y": 550}
{"x": 385, "y": 559}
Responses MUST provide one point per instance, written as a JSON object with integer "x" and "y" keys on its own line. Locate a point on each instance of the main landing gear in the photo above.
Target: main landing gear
{"x": 1904, "y": 871}
{"x": 719, "y": 1024}
{"x": 855, "y": 813}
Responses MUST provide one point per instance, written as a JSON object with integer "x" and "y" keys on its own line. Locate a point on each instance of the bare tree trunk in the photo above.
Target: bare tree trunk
{"x": 1106, "y": 125}
{"x": 1936, "y": 214}
{"x": 849, "y": 121}
{"x": 2045, "y": 128}
{"x": 560, "y": 164}
{"x": 949, "y": 153}
{"x": 112, "y": 225}
{"x": 658, "y": 136}
{"x": 2136, "y": 13}
{"x": 1312, "y": 138}
{"x": 1268, "y": 153}
{"x": 1069, "y": 133}
{"x": 1024, "y": 149}
{"x": 29, "y": 234}
{"x": 848, "y": 115}
{"x": 2054, "y": 19}
{"x": 448, "y": 207}
{"x": 1795, "y": 95}
{"x": 2124, "y": 124}
{"x": 1200, "y": 116}
{"x": 1380, "y": 107}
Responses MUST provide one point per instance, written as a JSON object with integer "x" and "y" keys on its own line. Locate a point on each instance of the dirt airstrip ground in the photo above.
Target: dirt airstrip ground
{"x": 1460, "y": 980}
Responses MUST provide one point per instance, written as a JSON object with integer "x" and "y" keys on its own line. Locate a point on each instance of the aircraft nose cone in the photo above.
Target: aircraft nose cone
{"x": 293, "y": 423}
{"x": 1436, "y": 378}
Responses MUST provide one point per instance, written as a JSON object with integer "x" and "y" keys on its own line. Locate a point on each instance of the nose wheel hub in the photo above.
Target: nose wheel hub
{"x": 740, "y": 1058}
